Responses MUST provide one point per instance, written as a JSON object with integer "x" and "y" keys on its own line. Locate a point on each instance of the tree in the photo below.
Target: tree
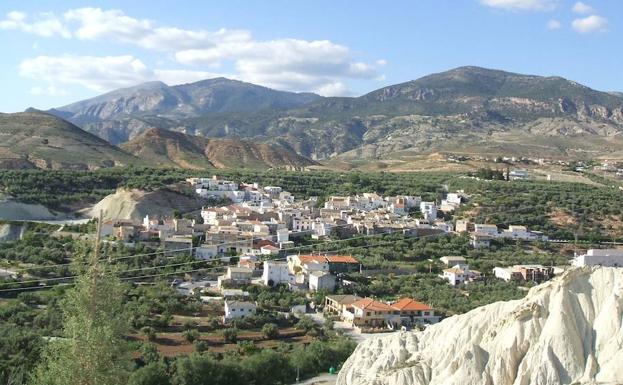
{"x": 230, "y": 335}
{"x": 197, "y": 369}
{"x": 149, "y": 332}
{"x": 154, "y": 373}
{"x": 270, "y": 331}
{"x": 93, "y": 350}
{"x": 191, "y": 335}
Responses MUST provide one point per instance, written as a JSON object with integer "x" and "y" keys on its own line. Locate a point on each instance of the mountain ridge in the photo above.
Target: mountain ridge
{"x": 469, "y": 106}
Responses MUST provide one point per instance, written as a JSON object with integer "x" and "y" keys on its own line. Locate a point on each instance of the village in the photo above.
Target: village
{"x": 256, "y": 240}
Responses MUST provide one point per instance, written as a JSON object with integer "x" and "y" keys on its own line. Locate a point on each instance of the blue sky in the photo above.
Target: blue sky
{"x": 58, "y": 52}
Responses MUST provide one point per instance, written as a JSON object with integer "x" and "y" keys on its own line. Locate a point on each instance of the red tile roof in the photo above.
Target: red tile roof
{"x": 312, "y": 258}
{"x": 407, "y": 304}
{"x": 341, "y": 259}
{"x": 370, "y": 304}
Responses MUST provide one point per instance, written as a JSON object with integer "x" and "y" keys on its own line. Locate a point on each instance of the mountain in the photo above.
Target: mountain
{"x": 120, "y": 115}
{"x": 566, "y": 331}
{"x": 466, "y": 110}
{"x": 175, "y": 149}
{"x": 36, "y": 139}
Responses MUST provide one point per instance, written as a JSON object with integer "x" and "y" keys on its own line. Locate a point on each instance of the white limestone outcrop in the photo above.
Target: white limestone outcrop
{"x": 565, "y": 331}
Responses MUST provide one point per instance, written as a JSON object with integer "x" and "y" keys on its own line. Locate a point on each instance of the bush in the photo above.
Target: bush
{"x": 201, "y": 346}
{"x": 149, "y": 332}
{"x": 191, "y": 335}
{"x": 270, "y": 331}
{"x": 230, "y": 335}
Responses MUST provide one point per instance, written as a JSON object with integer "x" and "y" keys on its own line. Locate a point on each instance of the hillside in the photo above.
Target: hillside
{"x": 467, "y": 110}
{"x": 566, "y": 331}
{"x": 175, "y": 149}
{"x": 135, "y": 204}
{"x": 37, "y": 139}
{"x": 122, "y": 114}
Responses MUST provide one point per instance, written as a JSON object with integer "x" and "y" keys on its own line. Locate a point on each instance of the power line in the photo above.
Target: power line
{"x": 190, "y": 263}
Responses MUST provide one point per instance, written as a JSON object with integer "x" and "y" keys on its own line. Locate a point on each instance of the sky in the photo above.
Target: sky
{"x": 58, "y": 52}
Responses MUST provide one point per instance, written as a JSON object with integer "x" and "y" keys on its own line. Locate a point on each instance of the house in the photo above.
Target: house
{"x": 464, "y": 226}
{"x": 428, "y": 210}
{"x": 413, "y": 312}
{"x": 238, "y": 309}
{"x": 307, "y": 263}
{"x": 458, "y": 275}
{"x": 235, "y": 276}
{"x": 178, "y": 245}
{"x": 206, "y": 252}
{"x": 321, "y": 280}
{"x": 368, "y": 312}
{"x": 524, "y": 273}
{"x": 342, "y": 264}
{"x": 600, "y": 257}
{"x": 275, "y": 273}
{"x": 518, "y": 175}
{"x": 338, "y": 304}
{"x": 480, "y": 240}
{"x": 486, "y": 229}
{"x": 453, "y": 261}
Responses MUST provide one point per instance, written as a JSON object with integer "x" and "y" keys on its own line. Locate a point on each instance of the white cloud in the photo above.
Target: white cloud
{"x": 93, "y": 72}
{"x": 114, "y": 24}
{"x": 46, "y": 24}
{"x": 99, "y": 73}
{"x": 582, "y": 8}
{"x": 553, "y": 24}
{"x": 589, "y": 24}
{"x": 521, "y": 5}
{"x": 289, "y": 64}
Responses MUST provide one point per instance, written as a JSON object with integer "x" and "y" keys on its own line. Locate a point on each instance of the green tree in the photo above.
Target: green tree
{"x": 154, "y": 373}
{"x": 230, "y": 335}
{"x": 93, "y": 350}
{"x": 270, "y": 331}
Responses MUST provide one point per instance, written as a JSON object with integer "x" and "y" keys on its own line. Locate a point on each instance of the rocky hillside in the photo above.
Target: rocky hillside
{"x": 566, "y": 331}
{"x": 136, "y": 204}
{"x": 175, "y": 149}
{"x": 467, "y": 109}
{"x": 36, "y": 139}
{"x": 122, "y": 114}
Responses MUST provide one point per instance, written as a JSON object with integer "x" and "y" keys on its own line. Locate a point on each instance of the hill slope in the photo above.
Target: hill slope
{"x": 175, "y": 149}
{"x": 467, "y": 109}
{"x": 37, "y": 139}
{"x": 566, "y": 331}
{"x": 135, "y": 204}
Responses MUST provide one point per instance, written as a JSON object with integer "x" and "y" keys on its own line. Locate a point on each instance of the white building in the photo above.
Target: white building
{"x": 206, "y": 252}
{"x": 319, "y": 280}
{"x": 485, "y": 229}
{"x": 238, "y": 309}
{"x": 429, "y": 211}
{"x": 275, "y": 273}
{"x": 600, "y": 257}
{"x": 453, "y": 260}
{"x": 458, "y": 275}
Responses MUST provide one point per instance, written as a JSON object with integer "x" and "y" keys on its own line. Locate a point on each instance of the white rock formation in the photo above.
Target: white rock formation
{"x": 565, "y": 331}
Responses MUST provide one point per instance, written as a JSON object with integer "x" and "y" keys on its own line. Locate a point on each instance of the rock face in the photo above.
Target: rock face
{"x": 133, "y": 204}
{"x": 566, "y": 331}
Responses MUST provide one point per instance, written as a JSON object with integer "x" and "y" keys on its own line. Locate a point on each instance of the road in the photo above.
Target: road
{"x": 321, "y": 379}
